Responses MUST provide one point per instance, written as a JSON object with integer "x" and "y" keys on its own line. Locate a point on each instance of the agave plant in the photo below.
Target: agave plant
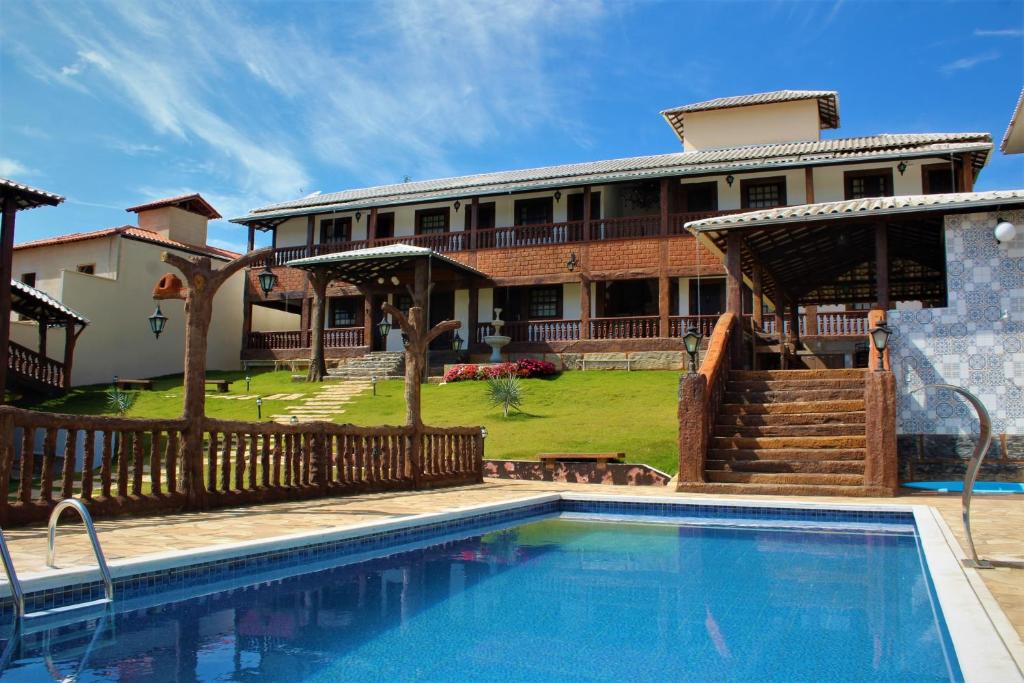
{"x": 505, "y": 391}
{"x": 119, "y": 401}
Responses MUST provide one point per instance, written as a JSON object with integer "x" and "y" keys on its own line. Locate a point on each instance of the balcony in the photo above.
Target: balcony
{"x": 334, "y": 338}
{"x": 567, "y": 232}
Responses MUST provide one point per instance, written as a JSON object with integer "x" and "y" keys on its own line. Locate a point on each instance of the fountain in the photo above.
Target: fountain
{"x": 497, "y": 340}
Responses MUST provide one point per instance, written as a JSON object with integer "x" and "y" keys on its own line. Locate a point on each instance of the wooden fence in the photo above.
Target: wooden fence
{"x": 131, "y": 466}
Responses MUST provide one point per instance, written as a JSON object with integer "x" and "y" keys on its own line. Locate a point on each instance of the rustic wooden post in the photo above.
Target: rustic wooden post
{"x": 371, "y": 226}
{"x": 809, "y": 185}
{"x": 317, "y": 365}
{"x": 664, "y": 206}
{"x": 587, "y": 217}
{"x": 585, "y": 307}
{"x": 202, "y": 284}
{"x": 758, "y": 299}
{"x": 310, "y": 227}
{"x": 43, "y": 329}
{"x": 882, "y": 265}
{"x": 69, "y": 352}
{"x": 10, "y": 208}
{"x": 664, "y": 305}
{"x": 251, "y": 244}
{"x": 369, "y": 324}
{"x": 734, "y": 289}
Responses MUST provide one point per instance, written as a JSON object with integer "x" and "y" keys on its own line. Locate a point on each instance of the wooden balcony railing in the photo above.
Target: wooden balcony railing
{"x": 334, "y": 338}
{"x": 679, "y": 325}
{"x": 835, "y": 324}
{"x": 534, "y": 330}
{"x": 529, "y": 235}
{"x": 29, "y": 364}
{"x": 121, "y": 466}
{"x": 638, "y": 327}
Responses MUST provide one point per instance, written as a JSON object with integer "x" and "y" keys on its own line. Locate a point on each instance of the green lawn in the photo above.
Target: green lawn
{"x": 633, "y": 412}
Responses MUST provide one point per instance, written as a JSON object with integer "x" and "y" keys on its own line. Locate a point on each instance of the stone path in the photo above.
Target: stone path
{"x": 323, "y": 405}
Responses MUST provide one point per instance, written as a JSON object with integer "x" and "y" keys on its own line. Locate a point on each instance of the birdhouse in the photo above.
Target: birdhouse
{"x": 169, "y": 287}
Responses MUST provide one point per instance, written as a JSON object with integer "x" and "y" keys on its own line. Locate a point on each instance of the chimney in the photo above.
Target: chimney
{"x": 181, "y": 219}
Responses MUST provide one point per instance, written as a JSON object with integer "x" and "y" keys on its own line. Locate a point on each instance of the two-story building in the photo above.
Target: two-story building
{"x": 593, "y": 257}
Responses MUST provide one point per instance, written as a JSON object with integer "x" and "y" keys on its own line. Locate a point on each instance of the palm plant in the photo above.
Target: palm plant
{"x": 119, "y": 401}
{"x": 505, "y": 391}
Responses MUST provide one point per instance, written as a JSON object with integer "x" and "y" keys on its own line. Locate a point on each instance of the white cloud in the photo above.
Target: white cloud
{"x": 968, "y": 63}
{"x": 135, "y": 148}
{"x": 10, "y": 168}
{"x": 999, "y": 33}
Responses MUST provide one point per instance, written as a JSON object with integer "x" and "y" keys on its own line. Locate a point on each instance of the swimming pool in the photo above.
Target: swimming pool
{"x": 562, "y": 590}
{"x": 958, "y": 486}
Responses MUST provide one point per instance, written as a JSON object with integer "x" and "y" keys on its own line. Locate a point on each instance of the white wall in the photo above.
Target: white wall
{"x": 176, "y": 224}
{"x": 49, "y": 262}
{"x": 571, "y": 300}
{"x": 272, "y": 320}
{"x": 760, "y": 124}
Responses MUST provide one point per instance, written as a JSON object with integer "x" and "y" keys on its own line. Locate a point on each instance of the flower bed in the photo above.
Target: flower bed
{"x": 526, "y": 367}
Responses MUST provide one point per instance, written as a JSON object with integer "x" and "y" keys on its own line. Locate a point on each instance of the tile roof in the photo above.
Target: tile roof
{"x": 828, "y": 105}
{"x": 44, "y": 300}
{"x": 189, "y": 202}
{"x": 28, "y": 197}
{"x": 398, "y": 250}
{"x": 131, "y": 232}
{"x": 1016, "y": 119}
{"x": 855, "y": 207}
{"x": 750, "y": 157}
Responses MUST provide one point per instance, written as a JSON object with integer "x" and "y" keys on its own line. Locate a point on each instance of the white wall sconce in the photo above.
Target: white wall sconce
{"x": 1005, "y": 231}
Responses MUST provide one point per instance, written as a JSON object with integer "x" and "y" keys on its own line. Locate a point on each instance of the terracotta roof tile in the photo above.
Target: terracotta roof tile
{"x": 189, "y": 202}
{"x": 131, "y": 232}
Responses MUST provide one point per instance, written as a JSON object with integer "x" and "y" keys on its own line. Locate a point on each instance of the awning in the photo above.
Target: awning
{"x": 26, "y": 197}
{"x": 39, "y": 306}
{"x": 374, "y": 264}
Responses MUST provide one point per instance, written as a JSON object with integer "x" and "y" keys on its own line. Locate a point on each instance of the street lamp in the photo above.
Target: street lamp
{"x": 456, "y": 343}
{"x": 691, "y": 342}
{"x": 248, "y": 380}
{"x": 880, "y": 339}
{"x": 157, "y": 321}
{"x": 384, "y": 327}
{"x": 294, "y": 420}
{"x": 373, "y": 383}
{"x": 267, "y": 279}
{"x": 483, "y": 433}
{"x": 259, "y": 408}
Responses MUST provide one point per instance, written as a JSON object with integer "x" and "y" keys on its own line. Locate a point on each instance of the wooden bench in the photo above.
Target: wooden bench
{"x": 222, "y": 385}
{"x": 146, "y": 384}
{"x": 602, "y": 459}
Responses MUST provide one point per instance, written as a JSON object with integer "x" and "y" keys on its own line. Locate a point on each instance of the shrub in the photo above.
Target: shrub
{"x": 505, "y": 391}
{"x": 119, "y": 401}
{"x": 526, "y": 367}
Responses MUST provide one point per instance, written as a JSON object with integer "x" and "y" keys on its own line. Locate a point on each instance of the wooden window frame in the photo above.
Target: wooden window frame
{"x": 386, "y": 214}
{"x": 428, "y": 213}
{"x": 945, "y": 166}
{"x": 684, "y": 195}
{"x": 336, "y": 305}
{"x": 850, "y": 176}
{"x": 536, "y": 200}
{"x": 468, "y": 218}
{"x": 86, "y": 268}
{"x": 747, "y": 183}
{"x": 595, "y": 203}
{"x": 557, "y": 289}
{"x": 333, "y": 222}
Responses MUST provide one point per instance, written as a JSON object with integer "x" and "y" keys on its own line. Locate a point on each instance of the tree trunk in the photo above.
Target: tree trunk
{"x": 317, "y": 364}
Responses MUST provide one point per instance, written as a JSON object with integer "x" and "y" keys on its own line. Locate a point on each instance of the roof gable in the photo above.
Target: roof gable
{"x": 828, "y": 106}
{"x": 193, "y": 203}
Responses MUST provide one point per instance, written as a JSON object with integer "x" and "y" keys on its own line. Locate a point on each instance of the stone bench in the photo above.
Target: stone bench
{"x": 602, "y": 459}
{"x": 223, "y": 385}
{"x": 145, "y": 384}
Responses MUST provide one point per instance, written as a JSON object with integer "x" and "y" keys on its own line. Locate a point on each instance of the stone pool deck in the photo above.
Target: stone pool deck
{"x": 997, "y": 522}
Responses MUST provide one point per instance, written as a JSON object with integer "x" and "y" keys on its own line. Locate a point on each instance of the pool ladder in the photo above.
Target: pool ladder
{"x": 18, "y": 594}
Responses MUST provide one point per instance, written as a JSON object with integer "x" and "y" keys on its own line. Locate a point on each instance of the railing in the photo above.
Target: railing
{"x": 334, "y": 338}
{"x": 136, "y": 466}
{"x": 843, "y": 324}
{"x": 335, "y": 247}
{"x": 534, "y": 330}
{"x": 28, "y": 363}
{"x": 639, "y": 327}
{"x": 628, "y": 226}
{"x": 441, "y": 242}
{"x": 679, "y": 325}
{"x": 529, "y": 235}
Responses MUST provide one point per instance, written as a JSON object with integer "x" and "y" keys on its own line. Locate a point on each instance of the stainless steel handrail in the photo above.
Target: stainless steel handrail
{"x": 973, "y": 465}
{"x": 83, "y": 512}
{"x": 12, "y": 578}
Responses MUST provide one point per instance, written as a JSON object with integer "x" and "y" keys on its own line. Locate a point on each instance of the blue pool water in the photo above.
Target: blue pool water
{"x": 562, "y": 598}
{"x": 958, "y": 486}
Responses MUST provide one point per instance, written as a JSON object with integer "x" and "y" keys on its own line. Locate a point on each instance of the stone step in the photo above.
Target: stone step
{"x": 790, "y": 430}
{"x": 776, "y": 442}
{"x": 792, "y": 395}
{"x": 786, "y": 454}
{"x": 784, "y": 478}
{"x": 789, "y": 384}
{"x": 804, "y": 419}
{"x": 793, "y": 466}
{"x": 772, "y": 375}
{"x": 844, "y": 406}
{"x": 777, "y": 489}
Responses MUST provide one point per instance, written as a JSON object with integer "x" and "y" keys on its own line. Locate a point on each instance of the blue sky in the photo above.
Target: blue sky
{"x": 112, "y": 104}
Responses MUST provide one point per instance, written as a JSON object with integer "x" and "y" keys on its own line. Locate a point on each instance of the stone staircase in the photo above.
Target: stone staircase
{"x": 379, "y": 364}
{"x": 798, "y": 432}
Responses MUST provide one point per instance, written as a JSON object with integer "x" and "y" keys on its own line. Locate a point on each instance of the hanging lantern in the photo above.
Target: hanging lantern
{"x": 456, "y": 342}
{"x": 157, "y": 321}
{"x": 267, "y": 279}
{"x": 691, "y": 342}
{"x": 384, "y": 327}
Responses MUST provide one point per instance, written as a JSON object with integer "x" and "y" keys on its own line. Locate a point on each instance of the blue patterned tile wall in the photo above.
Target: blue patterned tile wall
{"x": 977, "y": 342}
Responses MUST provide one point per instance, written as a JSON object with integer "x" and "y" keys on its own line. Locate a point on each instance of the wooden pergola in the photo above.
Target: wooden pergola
{"x": 35, "y": 369}
{"x": 14, "y": 197}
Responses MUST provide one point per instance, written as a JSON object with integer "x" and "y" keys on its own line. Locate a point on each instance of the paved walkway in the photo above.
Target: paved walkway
{"x": 997, "y": 521}
{"x": 324, "y": 404}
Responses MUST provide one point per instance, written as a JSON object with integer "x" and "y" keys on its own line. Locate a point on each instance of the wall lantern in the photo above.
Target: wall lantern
{"x": 157, "y": 321}
{"x": 691, "y": 342}
{"x": 901, "y": 167}
{"x": 572, "y": 262}
{"x": 456, "y": 343}
{"x": 558, "y": 196}
{"x": 880, "y": 339}
{"x": 457, "y": 205}
{"x": 1005, "y": 231}
{"x": 384, "y": 327}
{"x": 359, "y": 214}
{"x": 730, "y": 179}
{"x": 259, "y": 408}
{"x": 267, "y": 279}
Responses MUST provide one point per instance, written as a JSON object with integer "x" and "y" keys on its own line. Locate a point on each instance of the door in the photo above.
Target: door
{"x": 574, "y": 206}
{"x": 442, "y": 307}
{"x": 711, "y": 297}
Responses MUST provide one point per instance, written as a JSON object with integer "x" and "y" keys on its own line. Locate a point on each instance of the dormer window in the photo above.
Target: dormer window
{"x": 876, "y": 182}
{"x": 763, "y": 193}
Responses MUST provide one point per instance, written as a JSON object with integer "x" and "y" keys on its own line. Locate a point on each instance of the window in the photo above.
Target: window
{"x": 574, "y": 206}
{"x": 763, "y": 193}
{"x": 334, "y": 230}
{"x": 545, "y": 302}
{"x": 386, "y": 224}
{"x": 343, "y": 313}
{"x": 403, "y": 302}
{"x": 700, "y": 197}
{"x": 431, "y": 221}
{"x": 874, "y": 183}
{"x": 87, "y": 268}
{"x": 937, "y": 179}
{"x": 533, "y": 211}
{"x": 484, "y": 216}
{"x": 29, "y": 279}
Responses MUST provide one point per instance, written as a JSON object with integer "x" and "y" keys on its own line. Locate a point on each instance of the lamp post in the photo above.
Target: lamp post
{"x": 248, "y": 381}
{"x": 373, "y": 383}
{"x": 483, "y": 433}
{"x": 259, "y": 408}
{"x": 157, "y": 321}
{"x": 880, "y": 339}
{"x": 691, "y": 342}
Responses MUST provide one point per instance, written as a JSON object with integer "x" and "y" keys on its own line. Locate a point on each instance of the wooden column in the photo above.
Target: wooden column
{"x": 664, "y": 305}
{"x": 304, "y": 317}
{"x": 69, "y": 352}
{"x": 371, "y": 225}
{"x": 809, "y": 184}
{"x": 317, "y": 363}
{"x": 882, "y": 265}
{"x": 585, "y": 306}
{"x": 794, "y": 322}
{"x": 966, "y": 174}
{"x": 474, "y": 225}
{"x": 473, "y": 316}
{"x": 370, "y": 321}
{"x": 252, "y": 238}
{"x": 665, "y": 187}
{"x": 758, "y": 298}
{"x": 587, "y": 217}
{"x": 780, "y": 328}
{"x": 42, "y": 337}
{"x": 246, "y": 319}
{"x": 811, "y": 318}
{"x": 310, "y": 228}
{"x": 734, "y": 273}
{"x": 6, "y": 257}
